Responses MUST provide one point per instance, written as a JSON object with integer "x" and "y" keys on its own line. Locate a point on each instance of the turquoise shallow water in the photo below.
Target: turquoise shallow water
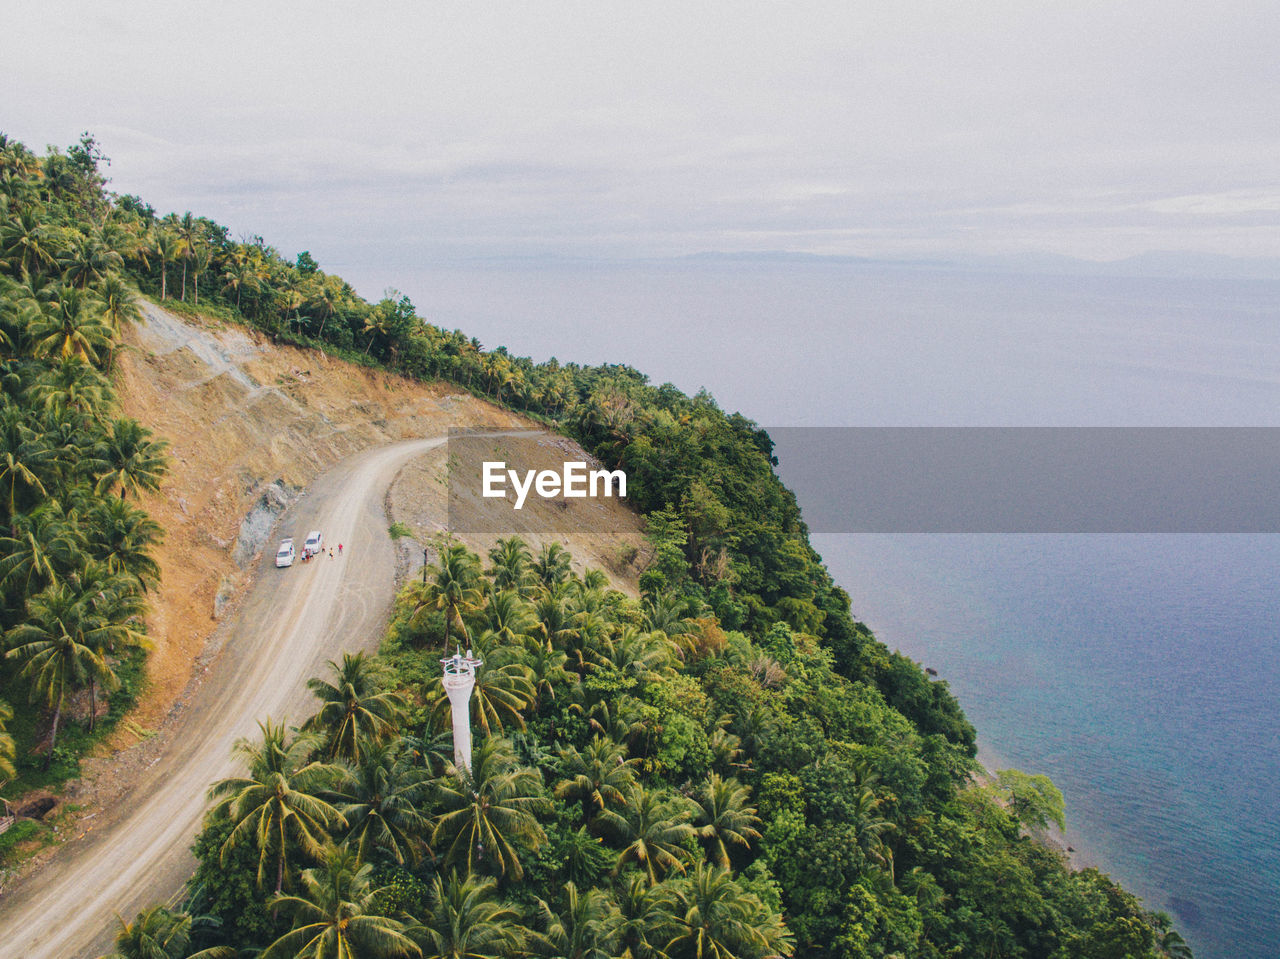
{"x": 1141, "y": 672}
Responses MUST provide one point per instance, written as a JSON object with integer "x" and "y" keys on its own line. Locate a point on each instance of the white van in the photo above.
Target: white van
{"x": 284, "y": 555}
{"x": 314, "y": 544}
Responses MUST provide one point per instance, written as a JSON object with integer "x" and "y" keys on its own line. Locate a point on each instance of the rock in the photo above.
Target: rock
{"x": 226, "y": 590}
{"x": 256, "y": 525}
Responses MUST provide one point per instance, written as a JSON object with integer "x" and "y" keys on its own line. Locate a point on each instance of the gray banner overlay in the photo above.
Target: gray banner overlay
{"x": 1033, "y": 479}
{"x": 522, "y": 451}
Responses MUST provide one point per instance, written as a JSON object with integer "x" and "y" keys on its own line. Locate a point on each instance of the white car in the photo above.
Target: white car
{"x": 314, "y": 544}
{"x": 284, "y": 555}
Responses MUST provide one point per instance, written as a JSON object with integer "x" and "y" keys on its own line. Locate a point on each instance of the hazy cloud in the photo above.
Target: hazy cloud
{"x": 587, "y": 128}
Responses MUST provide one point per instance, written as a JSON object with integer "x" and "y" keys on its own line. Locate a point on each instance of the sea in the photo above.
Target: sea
{"x": 1140, "y": 671}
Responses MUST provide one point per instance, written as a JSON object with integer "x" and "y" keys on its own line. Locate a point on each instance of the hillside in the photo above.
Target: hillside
{"x": 242, "y": 414}
{"x": 715, "y": 758}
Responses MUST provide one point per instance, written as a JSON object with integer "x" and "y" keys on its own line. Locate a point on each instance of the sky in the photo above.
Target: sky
{"x": 394, "y": 132}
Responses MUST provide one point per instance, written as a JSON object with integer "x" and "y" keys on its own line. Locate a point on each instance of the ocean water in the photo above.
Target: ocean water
{"x": 1142, "y": 673}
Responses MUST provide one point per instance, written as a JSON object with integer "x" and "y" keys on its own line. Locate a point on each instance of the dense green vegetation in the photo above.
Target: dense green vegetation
{"x": 75, "y": 561}
{"x": 730, "y": 766}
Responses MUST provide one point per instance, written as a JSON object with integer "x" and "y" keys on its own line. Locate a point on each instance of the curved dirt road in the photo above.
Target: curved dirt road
{"x": 289, "y": 624}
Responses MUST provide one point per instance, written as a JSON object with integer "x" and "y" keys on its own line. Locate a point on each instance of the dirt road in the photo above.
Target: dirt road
{"x": 289, "y": 624}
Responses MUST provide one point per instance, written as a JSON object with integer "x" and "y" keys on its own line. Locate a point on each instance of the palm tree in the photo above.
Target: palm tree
{"x": 60, "y": 648}
{"x": 200, "y": 262}
{"x": 466, "y": 921}
{"x": 337, "y": 915}
{"x": 717, "y": 920}
{"x": 121, "y": 536}
{"x": 157, "y": 933}
{"x": 454, "y": 589}
{"x": 119, "y": 306}
{"x": 88, "y": 260}
{"x": 644, "y": 657}
{"x": 353, "y": 712}
{"x": 116, "y": 610}
{"x": 72, "y": 385}
{"x": 599, "y": 775}
{"x": 41, "y": 550}
{"x": 167, "y": 249}
{"x": 546, "y": 672}
{"x": 725, "y": 817}
{"x": 655, "y": 829}
{"x": 554, "y": 620}
{"x": 380, "y": 799}
{"x": 187, "y": 231}
{"x": 586, "y": 929}
{"x": 869, "y": 827}
{"x": 134, "y": 460}
{"x": 69, "y": 324}
{"x": 645, "y": 918}
{"x": 278, "y": 804}
{"x": 669, "y": 613}
{"x": 24, "y": 457}
{"x": 240, "y": 275}
{"x": 509, "y": 617}
{"x": 552, "y": 566}
{"x": 8, "y": 750}
{"x": 491, "y": 810}
{"x": 28, "y": 243}
{"x": 512, "y": 564}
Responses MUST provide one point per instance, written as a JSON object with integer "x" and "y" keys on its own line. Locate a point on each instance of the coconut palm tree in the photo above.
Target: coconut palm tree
{"x": 69, "y": 323}
{"x": 586, "y": 928}
{"x": 546, "y": 672}
{"x": 337, "y": 915}
{"x": 509, "y": 617}
{"x": 200, "y": 261}
{"x": 716, "y": 919}
{"x": 555, "y": 620}
{"x": 466, "y": 921}
{"x": 72, "y": 385}
{"x": 60, "y": 649}
{"x": 869, "y": 827}
{"x": 490, "y": 811}
{"x": 646, "y": 920}
{"x": 552, "y": 566}
{"x": 354, "y": 712}
{"x": 122, "y": 536}
{"x": 599, "y": 775}
{"x": 278, "y": 804}
{"x": 135, "y": 462}
{"x": 116, "y": 609}
{"x": 28, "y": 244}
{"x": 454, "y": 589}
{"x": 42, "y": 549}
{"x": 380, "y": 798}
{"x": 25, "y": 459}
{"x": 240, "y": 275}
{"x": 88, "y": 260}
{"x": 644, "y": 657}
{"x": 8, "y": 750}
{"x": 724, "y": 817}
{"x": 157, "y": 933}
{"x": 512, "y": 565}
{"x": 654, "y": 829}
{"x": 188, "y": 231}
{"x": 119, "y": 306}
{"x": 167, "y": 249}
